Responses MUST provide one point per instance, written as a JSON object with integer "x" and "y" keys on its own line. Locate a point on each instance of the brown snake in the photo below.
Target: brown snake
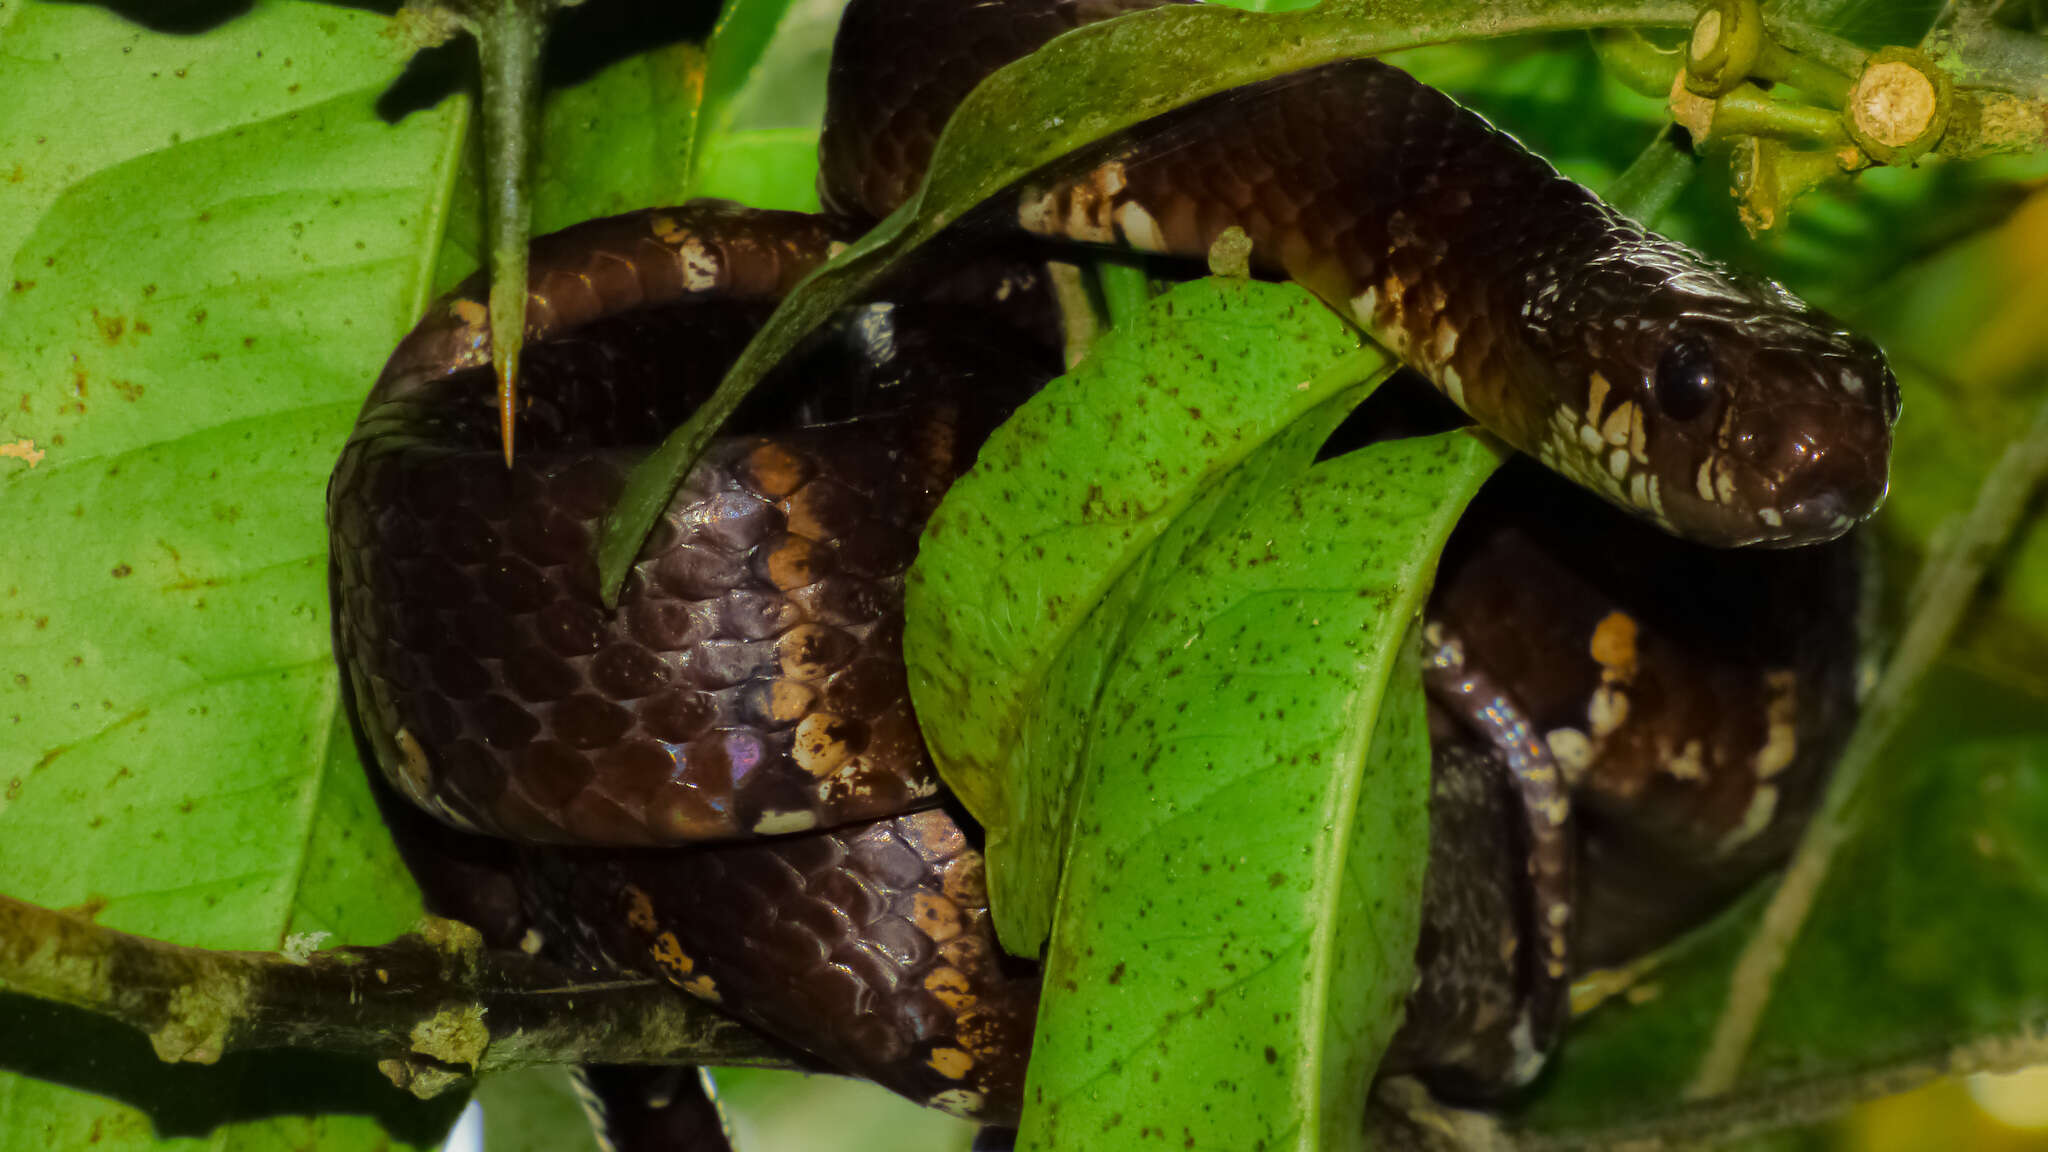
{"x": 750, "y": 683}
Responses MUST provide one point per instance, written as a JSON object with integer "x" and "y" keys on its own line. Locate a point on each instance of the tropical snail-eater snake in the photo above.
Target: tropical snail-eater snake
{"x": 751, "y": 683}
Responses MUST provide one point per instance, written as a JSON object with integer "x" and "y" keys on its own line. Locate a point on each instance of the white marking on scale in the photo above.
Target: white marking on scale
{"x": 1453, "y": 385}
{"x": 1617, "y": 463}
{"x": 1687, "y": 765}
{"x": 701, "y": 266}
{"x": 1365, "y": 307}
{"x": 1035, "y": 211}
{"x": 1607, "y": 710}
{"x": 1087, "y": 221}
{"x": 1781, "y": 723}
{"x": 775, "y": 823}
{"x": 1572, "y": 750}
{"x": 1140, "y": 230}
{"x": 1446, "y": 340}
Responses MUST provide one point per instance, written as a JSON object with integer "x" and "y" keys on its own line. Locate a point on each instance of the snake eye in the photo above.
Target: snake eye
{"x": 1685, "y": 379}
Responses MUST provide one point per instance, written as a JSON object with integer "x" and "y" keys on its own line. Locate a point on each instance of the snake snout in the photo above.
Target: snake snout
{"x": 1822, "y": 468}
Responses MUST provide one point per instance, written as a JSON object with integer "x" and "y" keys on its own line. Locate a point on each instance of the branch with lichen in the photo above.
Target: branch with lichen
{"x": 433, "y": 1008}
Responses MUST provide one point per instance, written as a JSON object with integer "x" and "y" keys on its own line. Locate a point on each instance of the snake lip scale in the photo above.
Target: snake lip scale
{"x": 751, "y": 683}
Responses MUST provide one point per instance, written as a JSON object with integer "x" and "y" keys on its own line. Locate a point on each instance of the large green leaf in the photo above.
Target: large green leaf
{"x": 222, "y": 238}
{"x": 1239, "y": 906}
{"x": 1065, "y": 498}
{"x": 1152, "y": 644}
{"x": 218, "y": 234}
{"x": 213, "y": 241}
{"x": 764, "y": 101}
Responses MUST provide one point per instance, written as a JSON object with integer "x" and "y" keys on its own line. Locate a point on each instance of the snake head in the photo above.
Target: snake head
{"x": 1724, "y": 408}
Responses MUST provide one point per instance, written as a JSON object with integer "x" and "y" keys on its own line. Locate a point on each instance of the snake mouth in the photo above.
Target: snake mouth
{"x": 1814, "y": 520}
{"x": 1824, "y": 513}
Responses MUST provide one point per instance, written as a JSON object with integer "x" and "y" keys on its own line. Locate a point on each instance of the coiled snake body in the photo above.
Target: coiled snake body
{"x": 751, "y": 682}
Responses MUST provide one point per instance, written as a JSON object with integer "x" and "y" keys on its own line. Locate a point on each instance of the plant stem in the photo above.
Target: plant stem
{"x": 1653, "y": 179}
{"x": 1126, "y": 287}
{"x": 434, "y": 1008}
{"x": 510, "y": 36}
{"x": 1645, "y": 68}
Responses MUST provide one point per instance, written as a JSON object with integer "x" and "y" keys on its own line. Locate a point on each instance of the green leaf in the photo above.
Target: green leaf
{"x": 212, "y": 243}
{"x": 219, "y": 237}
{"x": 619, "y": 141}
{"x": 187, "y": 360}
{"x": 1238, "y": 916}
{"x": 535, "y": 1110}
{"x": 1194, "y": 640}
{"x": 1871, "y": 23}
{"x": 773, "y": 1110}
{"x": 753, "y": 67}
{"x": 1064, "y": 499}
{"x": 764, "y": 101}
{"x": 1083, "y": 86}
{"x": 767, "y": 168}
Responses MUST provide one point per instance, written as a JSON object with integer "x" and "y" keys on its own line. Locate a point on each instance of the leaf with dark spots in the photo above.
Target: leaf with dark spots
{"x": 327, "y": 228}
{"x": 1231, "y": 577}
{"x": 997, "y": 740}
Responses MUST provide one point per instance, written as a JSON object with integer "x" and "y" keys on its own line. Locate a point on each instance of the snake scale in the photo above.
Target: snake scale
{"x": 749, "y": 697}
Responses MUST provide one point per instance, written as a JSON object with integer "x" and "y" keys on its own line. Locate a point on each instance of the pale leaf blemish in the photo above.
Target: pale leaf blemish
{"x": 24, "y": 451}
{"x": 300, "y": 946}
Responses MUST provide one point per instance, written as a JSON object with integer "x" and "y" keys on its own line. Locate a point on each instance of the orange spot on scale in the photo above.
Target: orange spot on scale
{"x": 669, "y": 955}
{"x": 952, "y": 1063}
{"x": 639, "y": 909}
{"x": 1614, "y": 647}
